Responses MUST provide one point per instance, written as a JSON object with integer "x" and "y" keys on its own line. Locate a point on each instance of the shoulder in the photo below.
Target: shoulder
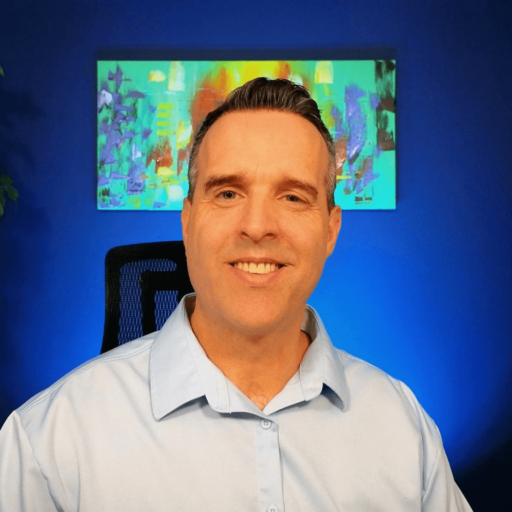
{"x": 392, "y": 405}
{"x": 100, "y": 379}
{"x": 365, "y": 378}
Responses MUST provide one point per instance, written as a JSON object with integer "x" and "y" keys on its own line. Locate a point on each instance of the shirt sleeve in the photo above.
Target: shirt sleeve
{"x": 442, "y": 493}
{"x": 23, "y": 488}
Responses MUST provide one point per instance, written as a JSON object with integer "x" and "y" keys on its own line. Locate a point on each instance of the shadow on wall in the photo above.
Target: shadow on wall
{"x": 21, "y": 230}
{"x": 486, "y": 483}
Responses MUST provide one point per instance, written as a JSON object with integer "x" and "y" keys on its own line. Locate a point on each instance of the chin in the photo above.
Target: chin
{"x": 258, "y": 313}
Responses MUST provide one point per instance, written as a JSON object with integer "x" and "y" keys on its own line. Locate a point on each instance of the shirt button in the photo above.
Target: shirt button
{"x": 266, "y": 424}
{"x": 273, "y": 508}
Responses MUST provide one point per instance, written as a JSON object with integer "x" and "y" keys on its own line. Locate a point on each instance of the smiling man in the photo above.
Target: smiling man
{"x": 240, "y": 402}
{"x": 258, "y": 227}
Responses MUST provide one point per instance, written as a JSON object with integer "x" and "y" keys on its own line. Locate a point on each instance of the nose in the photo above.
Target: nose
{"x": 259, "y": 220}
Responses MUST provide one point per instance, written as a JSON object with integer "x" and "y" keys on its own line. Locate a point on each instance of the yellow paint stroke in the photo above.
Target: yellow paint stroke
{"x": 163, "y": 114}
{"x": 296, "y": 78}
{"x": 323, "y": 72}
{"x": 183, "y": 134}
{"x": 163, "y": 123}
{"x": 165, "y": 106}
{"x": 164, "y": 171}
{"x": 156, "y": 76}
{"x": 176, "y": 77}
{"x": 164, "y": 133}
{"x": 343, "y": 177}
{"x": 254, "y": 69}
{"x": 174, "y": 193}
{"x": 135, "y": 201}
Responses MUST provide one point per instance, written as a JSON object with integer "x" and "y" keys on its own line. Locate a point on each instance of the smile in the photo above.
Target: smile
{"x": 256, "y": 268}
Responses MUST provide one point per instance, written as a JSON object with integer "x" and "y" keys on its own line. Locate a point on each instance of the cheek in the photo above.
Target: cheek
{"x": 207, "y": 236}
{"x": 308, "y": 239}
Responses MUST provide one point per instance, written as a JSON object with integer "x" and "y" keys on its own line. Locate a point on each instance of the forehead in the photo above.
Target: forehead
{"x": 263, "y": 139}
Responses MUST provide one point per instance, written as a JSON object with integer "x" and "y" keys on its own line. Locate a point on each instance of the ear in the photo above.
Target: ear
{"x": 333, "y": 229}
{"x": 185, "y": 217}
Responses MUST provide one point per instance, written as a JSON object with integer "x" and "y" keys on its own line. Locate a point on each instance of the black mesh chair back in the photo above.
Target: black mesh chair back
{"x": 144, "y": 284}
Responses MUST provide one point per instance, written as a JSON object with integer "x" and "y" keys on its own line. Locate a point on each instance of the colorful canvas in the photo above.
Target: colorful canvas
{"x": 148, "y": 112}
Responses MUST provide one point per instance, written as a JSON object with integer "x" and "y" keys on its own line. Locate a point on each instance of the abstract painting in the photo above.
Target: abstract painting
{"x": 148, "y": 112}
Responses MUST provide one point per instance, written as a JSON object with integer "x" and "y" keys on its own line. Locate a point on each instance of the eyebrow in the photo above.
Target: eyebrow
{"x": 219, "y": 181}
{"x": 232, "y": 179}
{"x": 301, "y": 185}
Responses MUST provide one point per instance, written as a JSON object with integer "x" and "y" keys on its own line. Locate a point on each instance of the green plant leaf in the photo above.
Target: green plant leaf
{"x": 12, "y": 192}
{"x": 2, "y": 201}
{"x": 5, "y": 180}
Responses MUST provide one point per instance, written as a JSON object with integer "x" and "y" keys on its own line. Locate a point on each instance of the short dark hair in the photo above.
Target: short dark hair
{"x": 264, "y": 94}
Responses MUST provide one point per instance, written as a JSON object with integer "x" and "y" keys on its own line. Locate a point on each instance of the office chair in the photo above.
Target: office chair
{"x": 144, "y": 284}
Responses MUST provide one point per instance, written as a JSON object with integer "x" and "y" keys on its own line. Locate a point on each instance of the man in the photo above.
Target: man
{"x": 240, "y": 402}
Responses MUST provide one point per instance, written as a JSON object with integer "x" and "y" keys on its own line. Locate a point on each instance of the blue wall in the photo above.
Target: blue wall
{"x": 423, "y": 292}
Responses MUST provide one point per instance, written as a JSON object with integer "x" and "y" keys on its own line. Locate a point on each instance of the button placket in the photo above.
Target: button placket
{"x": 269, "y": 466}
{"x": 265, "y": 424}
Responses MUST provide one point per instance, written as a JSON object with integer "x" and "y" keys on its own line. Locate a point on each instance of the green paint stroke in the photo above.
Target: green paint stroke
{"x": 148, "y": 112}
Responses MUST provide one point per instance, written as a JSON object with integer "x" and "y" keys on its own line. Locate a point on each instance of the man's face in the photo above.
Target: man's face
{"x": 258, "y": 230}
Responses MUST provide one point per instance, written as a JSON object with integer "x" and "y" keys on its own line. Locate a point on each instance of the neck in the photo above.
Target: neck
{"x": 258, "y": 362}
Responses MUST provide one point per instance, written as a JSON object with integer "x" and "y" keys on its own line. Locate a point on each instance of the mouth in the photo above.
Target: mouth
{"x": 253, "y": 267}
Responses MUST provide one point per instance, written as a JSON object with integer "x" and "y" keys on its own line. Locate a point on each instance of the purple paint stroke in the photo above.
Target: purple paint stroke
{"x": 366, "y": 174}
{"x": 151, "y": 109}
{"x": 115, "y": 202}
{"x": 107, "y": 158}
{"x": 118, "y": 77}
{"x": 146, "y": 133}
{"x": 121, "y": 108}
{"x": 113, "y": 140}
{"x": 118, "y": 98}
{"x": 135, "y": 186}
{"x": 136, "y": 169}
{"x": 102, "y": 181}
{"x": 129, "y": 135}
{"x": 117, "y": 176}
{"x": 356, "y": 122}
{"x": 367, "y": 179}
{"x": 101, "y": 204}
{"x": 136, "y": 94}
{"x": 374, "y": 101}
{"x": 123, "y": 118}
{"x": 338, "y": 122}
{"x": 105, "y": 127}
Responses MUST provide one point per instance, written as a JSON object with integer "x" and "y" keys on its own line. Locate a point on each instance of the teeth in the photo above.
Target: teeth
{"x": 256, "y": 268}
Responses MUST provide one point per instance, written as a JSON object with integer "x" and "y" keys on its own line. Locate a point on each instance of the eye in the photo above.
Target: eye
{"x": 227, "y": 194}
{"x": 293, "y": 199}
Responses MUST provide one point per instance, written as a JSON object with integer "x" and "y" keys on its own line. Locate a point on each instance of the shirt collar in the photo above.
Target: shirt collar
{"x": 180, "y": 371}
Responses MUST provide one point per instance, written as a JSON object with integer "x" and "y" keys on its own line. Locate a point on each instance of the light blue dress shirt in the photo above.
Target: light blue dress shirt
{"x": 155, "y": 426}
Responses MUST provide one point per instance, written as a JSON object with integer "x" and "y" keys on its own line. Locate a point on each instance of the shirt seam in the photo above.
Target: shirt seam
{"x": 35, "y": 459}
{"x": 77, "y": 371}
{"x": 431, "y": 473}
{"x": 192, "y": 355}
